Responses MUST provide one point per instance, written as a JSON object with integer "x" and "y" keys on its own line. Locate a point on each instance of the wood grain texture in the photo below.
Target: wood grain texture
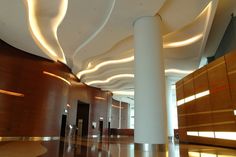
{"x": 39, "y": 112}
{"x": 213, "y": 112}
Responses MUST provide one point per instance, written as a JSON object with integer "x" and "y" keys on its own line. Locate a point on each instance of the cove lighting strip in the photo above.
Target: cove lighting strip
{"x": 55, "y": 22}
{"x": 213, "y": 134}
{"x": 184, "y": 42}
{"x": 110, "y": 62}
{"x": 110, "y": 78}
{"x": 202, "y": 154}
{"x": 131, "y": 93}
{"x": 235, "y": 112}
{"x": 193, "y": 97}
{"x": 56, "y": 76}
{"x": 11, "y": 93}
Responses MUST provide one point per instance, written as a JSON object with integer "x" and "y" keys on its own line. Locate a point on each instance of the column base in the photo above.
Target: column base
{"x": 145, "y": 147}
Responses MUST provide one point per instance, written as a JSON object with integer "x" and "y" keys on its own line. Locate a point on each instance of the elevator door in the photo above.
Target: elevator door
{"x": 82, "y": 118}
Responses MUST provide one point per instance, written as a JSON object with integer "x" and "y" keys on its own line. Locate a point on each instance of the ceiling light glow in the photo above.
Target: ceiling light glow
{"x": 131, "y": 93}
{"x": 110, "y": 78}
{"x": 184, "y": 42}
{"x": 37, "y": 32}
{"x": 178, "y": 71}
{"x": 110, "y": 62}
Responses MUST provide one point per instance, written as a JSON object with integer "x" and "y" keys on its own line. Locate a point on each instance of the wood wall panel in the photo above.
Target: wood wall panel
{"x": 179, "y": 90}
{"x": 39, "y": 112}
{"x": 230, "y": 59}
{"x": 213, "y": 112}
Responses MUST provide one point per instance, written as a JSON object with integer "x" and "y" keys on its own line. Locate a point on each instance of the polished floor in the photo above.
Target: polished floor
{"x": 106, "y": 147}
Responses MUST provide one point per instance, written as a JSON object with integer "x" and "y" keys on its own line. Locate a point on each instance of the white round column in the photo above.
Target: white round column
{"x": 150, "y": 100}
{"x": 170, "y": 109}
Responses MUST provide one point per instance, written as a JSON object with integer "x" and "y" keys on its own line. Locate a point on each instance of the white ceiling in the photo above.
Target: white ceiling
{"x": 86, "y": 33}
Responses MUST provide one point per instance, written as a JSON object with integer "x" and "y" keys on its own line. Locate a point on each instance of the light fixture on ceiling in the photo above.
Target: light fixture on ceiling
{"x": 11, "y": 93}
{"x": 37, "y": 32}
{"x": 235, "y": 112}
{"x": 110, "y": 62}
{"x": 110, "y": 79}
{"x": 56, "y": 76}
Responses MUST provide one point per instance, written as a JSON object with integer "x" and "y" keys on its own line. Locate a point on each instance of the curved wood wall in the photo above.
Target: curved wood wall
{"x": 39, "y": 111}
{"x": 213, "y": 112}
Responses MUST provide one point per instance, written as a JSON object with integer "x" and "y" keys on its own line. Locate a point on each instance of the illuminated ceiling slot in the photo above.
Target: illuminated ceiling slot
{"x": 110, "y": 62}
{"x": 184, "y": 42}
{"x": 110, "y": 79}
{"x": 131, "y": 93}
{"x": 235, "y": 112}
{"x": 36, "y": 30}
{"x": 178, "y": 71}
{"x": 56, "y": 76}
{"x": 11, "y": 93}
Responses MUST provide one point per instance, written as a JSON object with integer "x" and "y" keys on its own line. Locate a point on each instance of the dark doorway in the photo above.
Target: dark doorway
{"x": 63, "y": 125}
{"x": 82, "y": 119}
{"x": 101, "y": 127}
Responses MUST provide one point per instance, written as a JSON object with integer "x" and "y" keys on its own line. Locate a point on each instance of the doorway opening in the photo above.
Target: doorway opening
{"x": 82, "y": 119}
{"x": 63, "y": 125}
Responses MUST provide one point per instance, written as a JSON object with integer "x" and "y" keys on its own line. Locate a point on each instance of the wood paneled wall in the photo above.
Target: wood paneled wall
{"x": 213, "y": 112}
{"x": 39, "y": 112}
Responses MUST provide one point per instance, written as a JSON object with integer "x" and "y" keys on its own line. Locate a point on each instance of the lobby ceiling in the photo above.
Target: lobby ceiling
{"x": 95, "y": 38}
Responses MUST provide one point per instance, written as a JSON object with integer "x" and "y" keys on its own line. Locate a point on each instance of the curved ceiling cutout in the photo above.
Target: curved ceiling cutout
{"x": 98, "y": 30}
{"x": 183, "y": 42}
{"x": 44, "y": 20}
{"x": 110, "y": 62}
{"x": 110, "y": 79}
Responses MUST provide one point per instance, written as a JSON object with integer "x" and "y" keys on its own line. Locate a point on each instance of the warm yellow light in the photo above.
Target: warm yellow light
{"x": 208, "y": 155}
{"x": 131, "y": 93}
{"x": 184, "y": 42}
{"x": 190, "y": 98}
{"x": 110, "y": 62}
{"x": 194, "y": 154}
{"x": 180, "y": 102}
{"x": 209, "y": 134}
{"x": 235, "y": 112}
{"x": 205, "y": 93}
{"x": 11, "y": 93}
{"x": 192, "y": 133}
{"x": 178, "y": 71}
{"x": 99, "y": 98}
{"x": 226, "y": 135}
{"x": 36, "y": 30}
{"x": 193, "y": 97}
{"x": 117, "y": 106}
{"x": 110, "y": 78}
{"x": 56, "y": 76}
